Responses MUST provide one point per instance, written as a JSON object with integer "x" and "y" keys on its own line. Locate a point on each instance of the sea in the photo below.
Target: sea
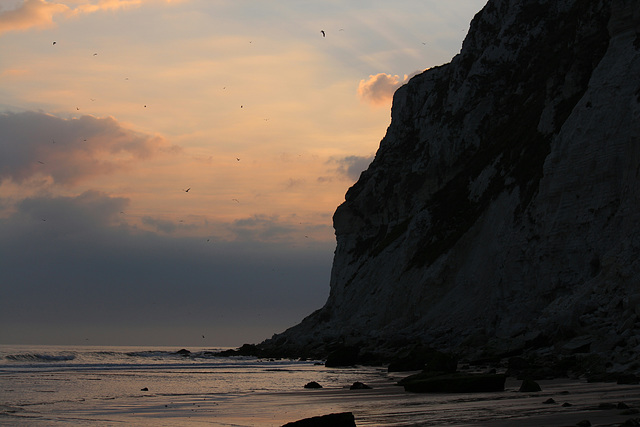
{"x": 159, "y": 386}
{"x": 99, "y": 385}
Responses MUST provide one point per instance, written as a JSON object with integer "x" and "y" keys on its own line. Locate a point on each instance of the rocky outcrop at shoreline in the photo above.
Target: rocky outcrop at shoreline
{"x": 501, "y": 214}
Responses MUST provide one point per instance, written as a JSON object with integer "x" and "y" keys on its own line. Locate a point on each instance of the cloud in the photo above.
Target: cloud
{"x": 168, "y": 227}
{"x": 294, "y": 183}
{"x": 90, "y": 210}
{"x": 162, "y": 225}
{"x": 31, "y": 14}
{"x": 352, "y": 166}
{"x": 379, "y": 89}
{"x": 41, "y": 13}
{"x": 83, "y": 273}
{"x": 69, "y": 150}
{"x": 260, "y": 227}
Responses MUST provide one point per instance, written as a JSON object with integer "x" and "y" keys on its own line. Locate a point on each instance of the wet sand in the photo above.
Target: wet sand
{"x": 384, "y": 405}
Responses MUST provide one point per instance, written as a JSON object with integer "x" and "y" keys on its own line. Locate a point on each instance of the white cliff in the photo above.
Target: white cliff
{"x": 502, "y": 210}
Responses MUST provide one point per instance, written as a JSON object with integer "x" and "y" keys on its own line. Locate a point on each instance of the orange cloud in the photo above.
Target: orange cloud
{"x": 41, "y": 13}
{"x": 379, "y": 89}
{"x": 32, "y": 14}
{"x": 105, "y": 5}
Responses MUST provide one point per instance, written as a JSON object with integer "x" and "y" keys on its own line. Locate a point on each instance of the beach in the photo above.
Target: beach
{"x": 144, "y": 387}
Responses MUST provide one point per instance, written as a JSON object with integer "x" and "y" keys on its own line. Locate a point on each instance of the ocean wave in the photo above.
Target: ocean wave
{"x": 35, "y": 357}
{"x": 92, "y": 358}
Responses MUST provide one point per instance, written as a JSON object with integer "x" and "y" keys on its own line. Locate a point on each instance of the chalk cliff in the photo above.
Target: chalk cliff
{"x": 502, "y": 209}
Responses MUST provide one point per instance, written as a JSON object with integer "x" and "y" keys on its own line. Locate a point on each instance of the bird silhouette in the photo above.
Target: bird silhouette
{"x": 187, "y": 190}
{"x": 323, "y": 34}
{"x": 54, "y": 43}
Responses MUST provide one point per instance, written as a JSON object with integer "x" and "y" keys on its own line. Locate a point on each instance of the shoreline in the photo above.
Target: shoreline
{"x": 386, "y": 404}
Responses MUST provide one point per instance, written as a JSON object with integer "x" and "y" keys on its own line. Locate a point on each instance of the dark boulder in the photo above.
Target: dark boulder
{"x": 359, "y": 386}
{"x": 529, "y": 386}
{"x": 342, "y": 419}
{"x": 312, "y": 384}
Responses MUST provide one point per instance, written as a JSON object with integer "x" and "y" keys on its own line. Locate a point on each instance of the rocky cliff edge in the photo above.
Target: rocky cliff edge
{"x": 502, "y": 210}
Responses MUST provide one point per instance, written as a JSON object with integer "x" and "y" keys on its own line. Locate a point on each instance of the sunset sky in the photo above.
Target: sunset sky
{"x": 110, "y": 110}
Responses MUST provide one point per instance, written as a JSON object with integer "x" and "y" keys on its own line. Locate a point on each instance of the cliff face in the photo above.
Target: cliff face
{"x": 502, "y": 209}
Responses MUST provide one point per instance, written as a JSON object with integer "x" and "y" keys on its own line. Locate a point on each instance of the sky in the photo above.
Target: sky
{"x": 169, "y": 168}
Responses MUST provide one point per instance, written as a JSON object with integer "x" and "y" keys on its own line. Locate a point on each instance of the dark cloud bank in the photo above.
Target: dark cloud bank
{"x": 69, "y": 150}
{"x": 71, "y": 270}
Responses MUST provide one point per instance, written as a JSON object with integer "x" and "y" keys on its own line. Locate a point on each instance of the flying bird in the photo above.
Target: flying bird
{"x": 187, "y": 190}
{"x": 54, "y": 42}
{"x": 42, "y": 163}
{"x": 238, "y": 158}
{"x": 323, "y": 34}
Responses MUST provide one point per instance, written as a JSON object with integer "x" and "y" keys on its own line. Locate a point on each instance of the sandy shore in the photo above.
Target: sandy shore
{"x": 384, "y": 405}
{"x": 389, "y": 405}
